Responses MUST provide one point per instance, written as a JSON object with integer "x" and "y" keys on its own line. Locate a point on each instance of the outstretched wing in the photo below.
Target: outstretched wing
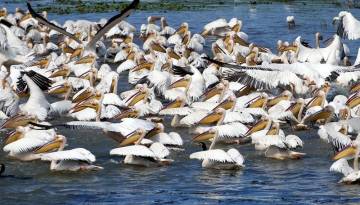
{"x": 49, "y": 24}
{"x": 112, "y": 22}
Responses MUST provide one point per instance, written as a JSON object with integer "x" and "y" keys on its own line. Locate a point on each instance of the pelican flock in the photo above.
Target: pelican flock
{"x": 236, "y": 94}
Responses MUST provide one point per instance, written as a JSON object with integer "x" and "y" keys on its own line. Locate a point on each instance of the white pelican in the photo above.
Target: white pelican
{"x": 141, "y": 155}
{"x": 348, "y": 26}
{"x": 78, "y": 159}
{"x": 218, "y": 158}
{"x": 290, "y": 21}
{"x": 351, "y": 175}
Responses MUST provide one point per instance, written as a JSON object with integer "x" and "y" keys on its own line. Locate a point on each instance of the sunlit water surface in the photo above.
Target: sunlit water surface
{"x": 306, "y": 181}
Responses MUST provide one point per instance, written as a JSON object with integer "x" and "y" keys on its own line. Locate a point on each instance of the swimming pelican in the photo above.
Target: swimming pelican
{"x": 141, "y": 155}
{"x": 291, "y": 21}
{"x": 218, "y": 158}
{"x": 351, "y": 175}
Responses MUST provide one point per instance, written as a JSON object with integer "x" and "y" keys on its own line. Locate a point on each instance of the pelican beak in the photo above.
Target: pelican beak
{"x": 212, "y": 92}
{"x": 173, "y": 55}
{"x": 257, "y": 127}
{"x": 63, "y": 72}
{"x": 76, "y": 53}
{"x": 137, "y": 97}
{"x": 240, "y": 41}
{"x": 86, "y": 60}
{"x": 315, "y": 101}
{"x": 353, "y": 101}
{"x": 183, "y": 82}
{"x": 204, "y": 33}
{"x": 142, "y": 66}
{"x": 129, "y": 113}
{"x": 344, "y": 114}
{"x": 86, "y": 94}
{"x": 174, "y": 104}
{"x": 226, "y": 104}
{"x": 211, "y": 118}
{"x": 295, "y": 108}
{"x": 245, "y": 90}
{"x": 12, "y": 137}
{"x": 236, "y": 28}
{"x": 276, "y": 100}
{"x": 17, "y": 120}
{"x": 257, "y": 102}
{"x": 349, "y": 151}
{"x": 181, "y": 30}
{"x": 131, "y": 138}
{"x": 51, "y": 146}
{"x": 60, "y": 89}
{"x": 82, "y": 106}
{"x": 355, "y": 88}
{"x": 205, "y": 136}
{"x": 157, "y": 47}
{"x": 323, "y": 114}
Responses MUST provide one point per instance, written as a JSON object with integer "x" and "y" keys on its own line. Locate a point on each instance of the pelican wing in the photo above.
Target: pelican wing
{"x": 49, "y": 24}
{"x": 137, "y": 150}
{"x": 355, "y": 123}
{"x": 236, "y": 156}
{"x": 112, "y": 22}
{"x": 244, "y": 117}
{"x": 341, "y": 166}
{"x": 159, "y": 150}
{"x": 193, "y": 118}
{"x": 172, "y": 138}
{"x": 176, "y": 111}
{"x": 235, "y": 129}
{"x": 337, "y": 139}
{"x": 349, "y": 27}
{"x": 293, "y": 141}
{"x": 217, "y": 155}
{"x": 78, "y": 154}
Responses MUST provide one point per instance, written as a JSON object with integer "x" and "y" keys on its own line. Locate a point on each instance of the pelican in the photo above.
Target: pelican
{"x": 141, "y": 155}
{"x": 218, "y": 158}
{"x": 78, "y": 159}
{"x": 290, "y": 21}
{"x": 348, "y": 26}
{"x": 90, "y": 48}
{"x": 351, "y": 175}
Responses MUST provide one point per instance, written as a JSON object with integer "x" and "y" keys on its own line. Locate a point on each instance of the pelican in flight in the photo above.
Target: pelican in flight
{"x": 89, "y": 50}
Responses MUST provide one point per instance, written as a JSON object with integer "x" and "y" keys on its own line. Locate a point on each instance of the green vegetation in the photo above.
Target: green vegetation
{"x": 95, "y": 6}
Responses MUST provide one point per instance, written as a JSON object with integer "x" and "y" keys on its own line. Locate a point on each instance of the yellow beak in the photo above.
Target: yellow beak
{"x": 205, "y": 136}
{"x": 211, "y": 118}
{"x": 51, "y": 146}
{"x": 183, "y": 82}
{"x": 17, "y": 120}
{"x": 349, "y": 151}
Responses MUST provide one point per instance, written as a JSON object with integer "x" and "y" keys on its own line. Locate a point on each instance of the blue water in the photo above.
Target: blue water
{"x": 306, "y": 181}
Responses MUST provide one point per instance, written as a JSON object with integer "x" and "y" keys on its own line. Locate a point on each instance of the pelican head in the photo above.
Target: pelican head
{"x": 349, "y": 151}
{"x": 227, "y": 104}
{"x": 178, "y": 102}
{"x": 217, "y": 90}
{"x": 205, "y": 136}
{"x": 91, "y": 103}
{"x": 286, "y": 95}
{"x": 128, "y": 113}
{"x": 214, "y": 117}
{"x": 183, "y": 82}
{"x": 159, "y": 128}
{"x": 17, "y": 120}
{"x": 260, "y": 125}
{"x": 83, "y": 95}
{"x": 142, "y": 94}
{"x": 58, "y": 143}
{"x": 259, "y": 101}
{"x": 60, "y": 89}
{"x": 133, "y": 137}
{"x": 64, "y": 71}
{"x": 15, "y": 135}
{"x": 354, "y": 100}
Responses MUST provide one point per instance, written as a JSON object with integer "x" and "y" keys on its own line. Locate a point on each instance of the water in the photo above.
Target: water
{"x": 306, "y": 181}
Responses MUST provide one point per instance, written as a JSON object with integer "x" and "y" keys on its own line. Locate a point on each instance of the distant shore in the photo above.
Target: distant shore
{"x": 96, "y": 6}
